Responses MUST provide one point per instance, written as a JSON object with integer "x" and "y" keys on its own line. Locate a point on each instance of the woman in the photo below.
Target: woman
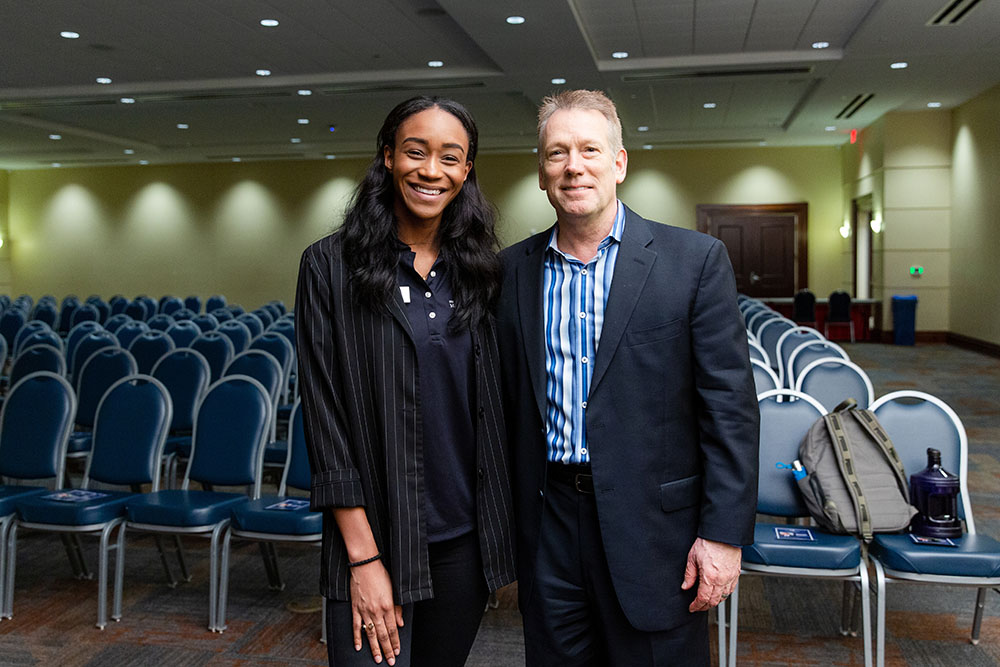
{"x": 400, "y": 393}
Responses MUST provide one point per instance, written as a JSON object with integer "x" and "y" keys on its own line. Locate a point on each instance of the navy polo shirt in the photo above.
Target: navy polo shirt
{"x": 447, "y": 395}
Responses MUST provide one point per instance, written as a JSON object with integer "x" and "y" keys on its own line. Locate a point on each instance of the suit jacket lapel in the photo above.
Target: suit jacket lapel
{"x": 632, "y": 267}
{"x": 529, "y": 304}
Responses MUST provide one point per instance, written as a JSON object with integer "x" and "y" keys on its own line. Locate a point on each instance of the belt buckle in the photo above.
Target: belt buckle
{"x": 578, "y": 478}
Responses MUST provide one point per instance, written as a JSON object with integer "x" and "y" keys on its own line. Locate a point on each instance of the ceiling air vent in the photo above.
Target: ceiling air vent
{"x": 953, "y": 13}
{"x": 854, "y": 105}
{"x": 716, "y": 73}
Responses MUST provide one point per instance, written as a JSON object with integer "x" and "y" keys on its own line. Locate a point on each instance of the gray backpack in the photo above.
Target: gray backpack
{"x": 854, "y": 480}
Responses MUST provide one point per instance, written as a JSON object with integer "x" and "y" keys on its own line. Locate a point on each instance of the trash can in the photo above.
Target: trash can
{"x": 904, "y": 317}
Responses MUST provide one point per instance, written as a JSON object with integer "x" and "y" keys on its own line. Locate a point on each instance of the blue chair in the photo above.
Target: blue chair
{"x": 46, "y": 312}
{"x": 137, "y": 310}
{"x": 100, "y": 370}
{"x": 86, "y": 312}
{"x": 117, "y": 320}
{"x": 238, "y": 333}
{"x": 149, "y": 303}
{"x": 764, "y": 378}
{"x": 768, "y": 334}
{"x": 229, "y": 433}
{"x": 193, "y": 303}
{"x": 86, "y": 346}
{"x": 169, "y": 305}
{"x": 184, "y": 333}
{"x": 217, "y": 349}
{"x": 160, "y": 322}
{"x": 34, "y": 428}
{"x": 260, "y": 521}
{"x": 807, "y": 352}
{"x": 206, "y": 322}
{"x": 264, "y": 368}
{"x": 129, "y": 431}
{"x": 149, "y": 348}
{"x": 915, "y": 421}
{"x": 29, "y": 327}
{"x": 222, "y": 315}
{"x": 10, "y": 323}
{"x": 183, "y": 314}
{"x": 827, "y": 556}
{"x": 214, "y": 302}
{"x": 40, "y": 335}
{"x": 35, "y": 358}
{"x": 118, "y": 304}
{"x": 832, "y": 380}
{"x": 789, "y": 340}
{"x": 69, "y": 304}
{"x": 129, "y": 331}
{"x": 278, "y": 347}
{"x": 266, "y": 316}
{"x": 286, "y": 327}
{"x": 254, "y": 323}
{"x": 236, "y": 309}
{"x": 756, "y": 351}
{"x": 186, "y": 375}
{"x": 76, "y": 334}
{"x": 103, "y": 309}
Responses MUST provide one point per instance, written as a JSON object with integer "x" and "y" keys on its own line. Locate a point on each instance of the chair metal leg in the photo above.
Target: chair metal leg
{"x": 977, "y": 617}
{"x": 866, "y": 612}
{"x": 213, "y": 574}
{"x": 116, "y": 610}
{"x": 734, "y": 608}
{"x": 270, "y": 557}
{"x": 8, "y": 600}
{"x": 102, "y": 574}
{"x": 879, "y": 614}
{"x": 179, "y": 548}
{"x": 171, "y": 581}
{"x": 5, "y": 524}
{"x": 220, "y": 614}
{"x": 846, "y": 608}
{"x": 75, "y": 555}
{"x": 322, "y": 637}
{"x": 720, "y": 622}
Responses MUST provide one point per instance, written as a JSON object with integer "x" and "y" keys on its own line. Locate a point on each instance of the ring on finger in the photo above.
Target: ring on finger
{"x": 370, "y": 627}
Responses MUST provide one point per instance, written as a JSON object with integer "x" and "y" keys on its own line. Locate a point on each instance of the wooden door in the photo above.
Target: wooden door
{"x": 766, "y": 244}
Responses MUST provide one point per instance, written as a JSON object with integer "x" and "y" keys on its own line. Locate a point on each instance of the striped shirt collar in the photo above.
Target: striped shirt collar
{"x": 617, "y": 229}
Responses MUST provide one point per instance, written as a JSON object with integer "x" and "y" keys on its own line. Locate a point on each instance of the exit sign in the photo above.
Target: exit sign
{"x": 916, "y": 270}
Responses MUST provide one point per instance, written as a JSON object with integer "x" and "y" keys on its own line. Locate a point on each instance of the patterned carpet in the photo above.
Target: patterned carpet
{"x": 782, "y": 621}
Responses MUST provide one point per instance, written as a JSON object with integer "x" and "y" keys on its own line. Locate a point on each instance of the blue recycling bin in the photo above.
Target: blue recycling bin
{"x": 904, "y": 319}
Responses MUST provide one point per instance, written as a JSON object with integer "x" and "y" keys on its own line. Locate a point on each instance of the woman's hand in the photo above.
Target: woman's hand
{"x": 373, "y": 611}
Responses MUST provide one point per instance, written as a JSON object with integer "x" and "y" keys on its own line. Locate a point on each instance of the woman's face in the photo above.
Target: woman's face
{"x": 429, "y": 165}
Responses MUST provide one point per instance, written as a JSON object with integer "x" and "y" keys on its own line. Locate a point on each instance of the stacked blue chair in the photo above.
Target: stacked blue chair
{"x": 229, "y": 433}
{"x": 129, "y": 432}
{"x": 915, "y": 421}
{"x": 34, "y": 428}
{"x": 184, "y": 333}
{"x": 238, "y": 333}
{"x": 217, "y": 349}
{"x": 149, "y": 348}
{"x": 276, "y": 519}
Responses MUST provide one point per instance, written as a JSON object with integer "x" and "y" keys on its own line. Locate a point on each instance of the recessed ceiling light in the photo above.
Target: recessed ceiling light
{"x": 620, "y": 54}
{"x": 143, "y": 161}
{"x": 303, "y": 121}
{"x": 709, "y": 105}
{"x": 830, "y": 128}
{"x": 330, "y": 156}
{"x": 182, "y": 126}
{"x": 647, "y": 147}
{"x": 296, "y": 140}
{"x": 534, "y": 150}
{"x": 127, "y": 100}
{"x": 558, "y": 81}
{"x": 435, "y": 63}
{"x": 899, "y": 65}
{"x": 269, "y": 23}
{"x": 56, "y": 164}
{"x": 762, "y": 143}
{"x": 263, "y": 72}
{"x": 821, "y": 45}
{"x": 103, "y": 80}
{"x": 55, "y": 137}
{"x": 129, "y": 151}
{"x": 515, "y": 20}
{"x": 643, "y": 128}
{"x": 304, "y": 91}
{"x": 236, "y": 159}
{"x": 934, "y": 105}
{"x": 69, "y": 34}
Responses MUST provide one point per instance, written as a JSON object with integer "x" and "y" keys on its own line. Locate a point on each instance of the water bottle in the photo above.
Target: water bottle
{"x": 934, "y": 492}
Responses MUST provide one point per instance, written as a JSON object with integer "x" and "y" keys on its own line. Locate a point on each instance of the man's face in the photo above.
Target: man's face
{"x": 579, "y": 170}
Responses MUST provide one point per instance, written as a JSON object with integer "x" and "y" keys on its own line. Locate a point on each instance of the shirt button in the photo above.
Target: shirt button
{"x": 585, "y": 359}
{"x": 432, "y": 315}
{"x": 583, "y": 315}
{"x": 427, "y": 294}
{"x": 583, "y": 450}
{"x": 584, "y": 405}
{"x": 433, "y": 273}
{"x": 584, "y": 272}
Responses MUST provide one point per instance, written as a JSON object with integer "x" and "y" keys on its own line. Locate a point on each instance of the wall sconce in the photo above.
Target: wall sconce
{"x": 876, "y": 224}
{"x": 845, "y": 230}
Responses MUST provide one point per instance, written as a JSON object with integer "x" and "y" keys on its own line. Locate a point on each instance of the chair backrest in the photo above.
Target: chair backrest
{"x": 160, "y": 322}
{"x": 265, "y": 315}
{"x": 297, "y": 474}
{"x": 277, "y": 345}
{"x": 116, "y": 321}
{"x": 169, "y": 305}
{"x": 76, "y": 334}
{"x": 236, "y": 309}
{"x": 832, "y": 380}
{"x": 206, "y": 322}
{"x": 118, "y": 303}
{"x": 28, "y": 328}
{"x": 222, "y": 314}
{"x": 758, "y": 317}
{"x": 261, "y": 366}
{"x": 10, "y": 323}
{"x": 137, "y": 310}
{"x": 148, "y": 348}
{"x": 782, "y": 427}
{"x": 840, "y": 307}
{"x": 185, "y": 374}
{"x": 286, "y": 327}
{"x": 184, "y": 333}
{"x": 98, "y": 372}
{"x": 183, "y": 314}
{"x": 34, "y": 358}
{"x": 39, "y": 336}
{"x": 129, "y": 331}
{"x": 255, "y": 322}
{"x": 790, "y": 339}
{"x": 103, "y": 309}
{"x": 916, "y": 420}
{"x": 804, "y": 306}
{"x": 231, "y": 426}
{"x": 45, "y": 312}
{"x": 131, "y": 425}
{"x": 764, "y": 378}
{"x": 808, "y": 352}
{"x": 69, "y": 304}
{"x": 217, "y": 349}
{"x": 769, "y": 333}
{"x": 193, "y": 303}
{"x": 35, "y": 423}
{"x": 87, "y": 312}
{"x": 85, "y": 347}
{"x": 756, "y": 351}
{"x": 215, "y": 301}
{"x": 238, "y": 332}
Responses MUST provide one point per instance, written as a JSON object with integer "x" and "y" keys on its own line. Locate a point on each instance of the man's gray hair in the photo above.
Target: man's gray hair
{"x": 590, "y": 100}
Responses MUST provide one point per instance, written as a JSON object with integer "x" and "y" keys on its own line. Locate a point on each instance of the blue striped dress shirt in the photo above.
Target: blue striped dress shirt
{"x": 575, "y": 296}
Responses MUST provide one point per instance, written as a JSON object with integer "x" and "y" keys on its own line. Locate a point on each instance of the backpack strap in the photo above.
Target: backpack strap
{"x": 842, "y": 449}
{"x": 875, "y": 430}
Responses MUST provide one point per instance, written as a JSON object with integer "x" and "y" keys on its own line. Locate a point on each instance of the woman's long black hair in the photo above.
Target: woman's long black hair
{"x": 466, "y": 236}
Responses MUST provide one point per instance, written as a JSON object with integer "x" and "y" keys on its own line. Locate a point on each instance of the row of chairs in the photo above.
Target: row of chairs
{"x": 231, "y": 428}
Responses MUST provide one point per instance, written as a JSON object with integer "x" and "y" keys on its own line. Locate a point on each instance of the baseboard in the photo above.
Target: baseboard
{"x": 886, "y": 336}
{"x": 974, "y": 344}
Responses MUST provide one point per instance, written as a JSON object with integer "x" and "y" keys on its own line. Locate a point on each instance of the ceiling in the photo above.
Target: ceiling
{"x": 194, "y": 62}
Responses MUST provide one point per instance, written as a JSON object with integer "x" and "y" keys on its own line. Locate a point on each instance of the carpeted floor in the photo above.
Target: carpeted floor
{"x": 782, "y": 621}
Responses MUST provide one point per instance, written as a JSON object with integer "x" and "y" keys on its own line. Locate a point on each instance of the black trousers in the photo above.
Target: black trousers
{"x": 436, "y": 633}
{"x": 573, "y": 617}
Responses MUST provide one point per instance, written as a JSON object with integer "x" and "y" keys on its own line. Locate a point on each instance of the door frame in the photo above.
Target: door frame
{"x": 799, "y": 210}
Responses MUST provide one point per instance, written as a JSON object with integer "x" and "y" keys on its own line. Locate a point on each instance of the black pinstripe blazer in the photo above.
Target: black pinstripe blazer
{"x": 360, "y": 387}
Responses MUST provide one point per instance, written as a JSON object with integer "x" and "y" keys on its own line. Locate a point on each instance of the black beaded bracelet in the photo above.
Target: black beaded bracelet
{"x": 359, "y": 563}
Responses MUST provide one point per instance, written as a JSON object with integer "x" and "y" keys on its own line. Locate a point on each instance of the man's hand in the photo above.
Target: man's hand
{"x": 716, "y": 567}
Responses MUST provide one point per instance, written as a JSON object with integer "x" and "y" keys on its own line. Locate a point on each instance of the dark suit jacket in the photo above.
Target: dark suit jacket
{"x": 672, "y": 420}
{"x": 360, "y": 387}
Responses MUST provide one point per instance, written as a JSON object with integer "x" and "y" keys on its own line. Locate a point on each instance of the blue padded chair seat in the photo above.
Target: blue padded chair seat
{"x": 38, "y": 509}
{"x": 974, "y": 556}
{"x": 253, "y": 517}
{"x": 276, "y": 452}
{"x": 79, "y": 441}
{"x": 176, "y": 507}
{"x": 11, "y": 493}
{"x": 830, "y": 552}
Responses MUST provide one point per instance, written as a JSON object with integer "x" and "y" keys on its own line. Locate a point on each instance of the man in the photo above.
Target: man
{"x": 631, "y": 413}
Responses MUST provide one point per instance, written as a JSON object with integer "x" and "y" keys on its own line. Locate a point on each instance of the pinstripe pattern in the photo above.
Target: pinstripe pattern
{"x": 575, "y": 296}
{"x": 362, "y": 418}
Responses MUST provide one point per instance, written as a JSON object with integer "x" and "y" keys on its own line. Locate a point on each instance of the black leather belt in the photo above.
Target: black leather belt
{"x": 574, "y": 474}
